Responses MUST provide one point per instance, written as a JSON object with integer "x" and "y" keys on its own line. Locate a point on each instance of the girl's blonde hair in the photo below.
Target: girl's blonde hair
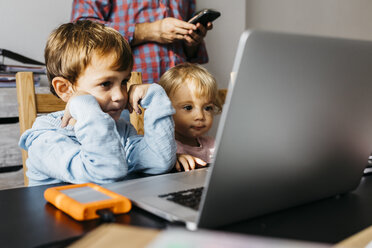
{"x": 71, "y": 46}
{"x": 205, "y": 83}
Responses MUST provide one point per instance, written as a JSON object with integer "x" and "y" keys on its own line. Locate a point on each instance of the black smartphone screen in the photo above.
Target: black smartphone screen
{"x": 204, "y": 16}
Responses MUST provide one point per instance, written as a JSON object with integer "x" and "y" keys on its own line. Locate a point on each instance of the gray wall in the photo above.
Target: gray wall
{"x": 338, "y": 18}
{"x": 25, "y": 25}
{"x": 223, "y": 39}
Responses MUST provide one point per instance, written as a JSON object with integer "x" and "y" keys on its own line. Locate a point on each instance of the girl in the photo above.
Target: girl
{"x": 193, "y": 92}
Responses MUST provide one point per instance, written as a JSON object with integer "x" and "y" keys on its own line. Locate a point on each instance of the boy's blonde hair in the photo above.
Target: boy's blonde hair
{"x": 71, "y": 46}
{"x": 205, "y": 83}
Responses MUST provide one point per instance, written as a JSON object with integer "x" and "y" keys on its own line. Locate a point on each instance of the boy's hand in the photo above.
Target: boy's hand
{"x": 67, "y": 118}
{"x": 187, "y": 162}
{"x": 135, "y": 94}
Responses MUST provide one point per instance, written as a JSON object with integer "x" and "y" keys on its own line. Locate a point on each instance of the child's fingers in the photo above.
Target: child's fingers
{"x": 66, "y": 118}
{"x": 182, "y": 160}
{"x": 138, "y": 109}
{"x": 129, "y": 107}
{"x": 64, "y": 122}
{"x": 134, "y": 102}
{"x": 134, "y": 108}
{"x": 136, "y": 93}
{"x": 178, "y": 167}
{"x": 200, "y": 161}
{"x": 130, "y": 98}
{"x": 190, "y": 161}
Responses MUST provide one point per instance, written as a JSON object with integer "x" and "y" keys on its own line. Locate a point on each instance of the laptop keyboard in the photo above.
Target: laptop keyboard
{"x": 188, "y": 198}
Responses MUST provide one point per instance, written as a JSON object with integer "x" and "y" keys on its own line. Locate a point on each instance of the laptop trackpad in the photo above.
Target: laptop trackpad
{"x": 144, "y": 192}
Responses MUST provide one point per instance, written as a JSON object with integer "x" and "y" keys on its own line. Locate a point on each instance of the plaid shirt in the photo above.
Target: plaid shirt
{"x": 151, "y": 59}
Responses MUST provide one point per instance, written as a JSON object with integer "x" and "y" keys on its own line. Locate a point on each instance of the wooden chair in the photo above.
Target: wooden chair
{"x": 135, "y": 119}
{"x": 222, "y": 95}
{"x": 30, "y": 104}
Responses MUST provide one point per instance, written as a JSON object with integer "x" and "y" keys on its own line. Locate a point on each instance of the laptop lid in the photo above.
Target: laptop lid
{"x": 296, "y": 126}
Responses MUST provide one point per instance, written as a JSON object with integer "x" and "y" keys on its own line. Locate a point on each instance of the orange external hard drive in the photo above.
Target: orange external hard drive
{"x": 82, "y": 201}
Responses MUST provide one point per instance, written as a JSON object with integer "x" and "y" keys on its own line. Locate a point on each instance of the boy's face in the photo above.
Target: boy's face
{"x": 194, "y": 114}
{"x": 108, "y": 86}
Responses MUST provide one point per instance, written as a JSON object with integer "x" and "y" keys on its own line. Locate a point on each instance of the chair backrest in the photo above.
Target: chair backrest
{"x": 135, "y": 119}
{"x": 222, "y": 95}
{"x": 30, "y": 104}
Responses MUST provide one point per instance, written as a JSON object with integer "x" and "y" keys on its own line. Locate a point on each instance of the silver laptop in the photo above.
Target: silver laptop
{"x": 296, "y": 127}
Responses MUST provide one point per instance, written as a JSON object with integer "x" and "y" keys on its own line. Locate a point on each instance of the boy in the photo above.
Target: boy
{"x": 88, "y": 66}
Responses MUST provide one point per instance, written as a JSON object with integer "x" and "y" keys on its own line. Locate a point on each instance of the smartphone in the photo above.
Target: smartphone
{"x": 204, "y": 16}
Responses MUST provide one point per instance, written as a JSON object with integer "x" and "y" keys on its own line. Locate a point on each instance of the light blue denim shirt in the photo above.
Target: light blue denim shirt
{"x": 98, "y": 149}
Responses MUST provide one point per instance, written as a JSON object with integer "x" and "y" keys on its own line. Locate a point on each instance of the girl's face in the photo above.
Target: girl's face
{"x": 108, "y": 86}
{"x": 194, "y": 114}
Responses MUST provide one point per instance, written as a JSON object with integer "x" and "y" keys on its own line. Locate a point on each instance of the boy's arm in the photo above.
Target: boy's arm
{"x": 96, "y": 156}
{"x": 155, "y": 152}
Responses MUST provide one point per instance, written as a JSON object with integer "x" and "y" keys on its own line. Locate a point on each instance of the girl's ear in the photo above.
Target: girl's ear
{"x": 63, "y": 88}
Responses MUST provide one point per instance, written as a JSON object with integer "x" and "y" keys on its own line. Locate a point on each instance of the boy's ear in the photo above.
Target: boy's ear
{"x": 63, "y": 88}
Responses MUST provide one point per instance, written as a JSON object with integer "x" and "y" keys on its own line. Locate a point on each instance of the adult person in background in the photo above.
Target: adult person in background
{"x": 157, "y": 31}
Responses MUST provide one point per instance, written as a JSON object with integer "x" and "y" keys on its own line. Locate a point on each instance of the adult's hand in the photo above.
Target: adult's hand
{"x": 165, "y": 31}
{"x": 194, "y": 37}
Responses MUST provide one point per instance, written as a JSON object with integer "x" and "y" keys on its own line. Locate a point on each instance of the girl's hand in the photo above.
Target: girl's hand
{"x": 135, "y": 94}
{"x": 187, "y": 162}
